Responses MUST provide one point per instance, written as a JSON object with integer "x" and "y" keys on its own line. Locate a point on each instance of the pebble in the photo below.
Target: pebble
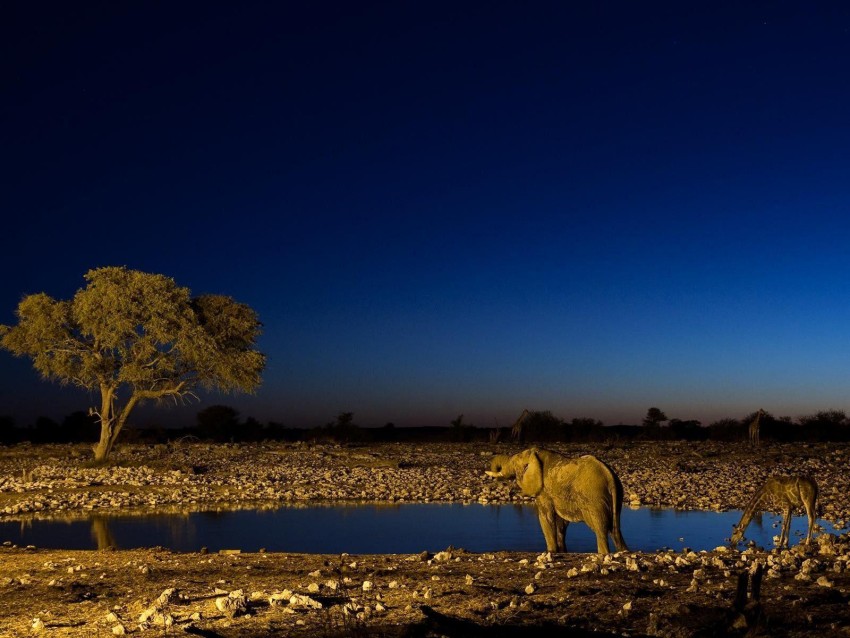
{"x": 698, "y": 475}
{"x": 233, "y": 604}
{"x": 299, "y": 600}
{"x": 280, "y": 598}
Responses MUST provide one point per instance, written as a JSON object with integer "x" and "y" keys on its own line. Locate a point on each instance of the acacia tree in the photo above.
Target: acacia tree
{"x": 218, "y": 422}
{"x": 654, "y": 417}
{"x": 136, "y": 337}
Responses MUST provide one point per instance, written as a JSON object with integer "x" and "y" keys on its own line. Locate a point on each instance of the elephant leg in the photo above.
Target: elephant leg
{"x": 600, "y": 527}
{"x": 602, "y": 546}
{"x": 619, "y": 541}
{"x": 561, "y": 533}
{"x": 548, "y": 524}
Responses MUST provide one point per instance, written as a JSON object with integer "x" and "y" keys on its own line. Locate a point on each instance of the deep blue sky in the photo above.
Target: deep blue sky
{"x": 444, "y": 208}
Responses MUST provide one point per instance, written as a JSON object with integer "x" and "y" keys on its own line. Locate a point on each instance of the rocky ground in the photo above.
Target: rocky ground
{"x": 804, "y": 591}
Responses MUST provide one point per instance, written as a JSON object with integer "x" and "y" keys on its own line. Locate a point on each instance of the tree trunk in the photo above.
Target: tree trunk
{"x": 107, "y": 439}
{"x": 111, "y": 422}
{"x": 107, "y": 397}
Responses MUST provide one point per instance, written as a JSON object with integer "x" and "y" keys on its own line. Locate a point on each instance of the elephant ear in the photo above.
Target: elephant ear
{"x": 531, "y": 480}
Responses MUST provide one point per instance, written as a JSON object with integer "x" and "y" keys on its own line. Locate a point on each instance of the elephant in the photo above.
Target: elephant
{"x": 567, "y": 489}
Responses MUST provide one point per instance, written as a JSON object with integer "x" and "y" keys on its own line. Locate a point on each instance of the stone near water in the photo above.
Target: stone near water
{"x": 233, "y": 604}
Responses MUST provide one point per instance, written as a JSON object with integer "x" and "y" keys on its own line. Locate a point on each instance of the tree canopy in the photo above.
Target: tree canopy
{"x": 654, "y": 417}
{"x": 219, "y": 422}
{"x": 136, "y": 336}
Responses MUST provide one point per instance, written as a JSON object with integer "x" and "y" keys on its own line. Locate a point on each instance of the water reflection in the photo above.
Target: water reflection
{"x": 101, "y": 533}
{"x": 390, "y": 528}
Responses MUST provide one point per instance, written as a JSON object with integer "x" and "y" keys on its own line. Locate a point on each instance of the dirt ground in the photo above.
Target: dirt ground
{"x": 804, "y": 591}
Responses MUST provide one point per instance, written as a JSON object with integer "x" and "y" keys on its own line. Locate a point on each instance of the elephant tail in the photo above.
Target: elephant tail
{"x": 615, "y": 488}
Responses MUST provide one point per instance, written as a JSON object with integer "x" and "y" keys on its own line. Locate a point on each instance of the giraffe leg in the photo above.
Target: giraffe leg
{"x": 786, "y": 527}
{"x": 810, "y": 514}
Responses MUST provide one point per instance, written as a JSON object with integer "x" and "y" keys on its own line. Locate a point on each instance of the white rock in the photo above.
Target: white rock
{"x": 147, "y": 614}
{"x": 234, "y": 603}
{"x": 166, "y": 597}
{"x": 279, "y": 598}
{"x": 299, "y": 600}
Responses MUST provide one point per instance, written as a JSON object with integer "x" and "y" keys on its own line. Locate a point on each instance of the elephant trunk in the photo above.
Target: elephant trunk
{"x": 501, "y": 467}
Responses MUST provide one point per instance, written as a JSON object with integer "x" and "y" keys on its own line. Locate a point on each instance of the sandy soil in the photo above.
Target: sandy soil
{"x": 804, "y": 591}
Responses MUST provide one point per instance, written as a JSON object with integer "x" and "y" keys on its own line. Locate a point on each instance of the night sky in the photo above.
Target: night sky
{"x": 441, "y": 208}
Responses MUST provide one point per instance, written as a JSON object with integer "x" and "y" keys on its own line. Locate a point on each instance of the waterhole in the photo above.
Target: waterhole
{"x": 386, "y": 529}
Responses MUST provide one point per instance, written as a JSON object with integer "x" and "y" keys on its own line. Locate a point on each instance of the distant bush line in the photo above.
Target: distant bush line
{"x": 223, "y": 424}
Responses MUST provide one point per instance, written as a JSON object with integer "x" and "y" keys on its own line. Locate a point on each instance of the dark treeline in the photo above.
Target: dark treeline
{"x": 224, "y": 424}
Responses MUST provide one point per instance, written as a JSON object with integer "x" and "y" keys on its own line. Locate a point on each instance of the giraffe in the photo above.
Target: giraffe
{"x": 786, "y": 493}
{"x": 516, "y": 430}
{"x": 754, "y": 428}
